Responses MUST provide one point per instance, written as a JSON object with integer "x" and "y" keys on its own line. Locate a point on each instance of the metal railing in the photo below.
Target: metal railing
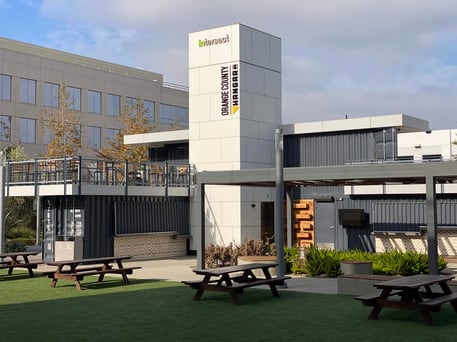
{"x": 78, "y": 170}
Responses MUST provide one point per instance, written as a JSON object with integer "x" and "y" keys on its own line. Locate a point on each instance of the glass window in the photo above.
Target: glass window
{"x": 114, "y": 102}
{"x": 174, "y": 115}
{"x": 131, "y": 102}
{"x": 50, "y": 95}
{"x": 94, "y": 100}
{"x": 5, "y": 128}
{"x": 94, "y": 137}
{"x": 112, "y": 133}
{"x": 27, "y": 131}
{"x": 27, "y": 91}
{"x": 5, "y": 87}
{"x": 74, "y": 98}
{"x": 149, "y": 108}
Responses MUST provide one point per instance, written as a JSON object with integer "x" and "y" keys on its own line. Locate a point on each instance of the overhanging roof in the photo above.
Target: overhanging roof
{"x": 359, "y": 174}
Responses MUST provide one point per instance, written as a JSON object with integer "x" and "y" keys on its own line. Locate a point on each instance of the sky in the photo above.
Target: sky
{"x": 340, "y": 58}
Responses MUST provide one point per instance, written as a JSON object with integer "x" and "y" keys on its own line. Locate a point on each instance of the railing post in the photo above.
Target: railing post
{"x": 80, "y": 160}
{"x": 188, "y": 180}
{"x": 166, "y": 178}
{"x": 126, "y": 175}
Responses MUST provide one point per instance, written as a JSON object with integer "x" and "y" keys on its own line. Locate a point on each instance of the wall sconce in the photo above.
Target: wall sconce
{"x": 253, "y": 205}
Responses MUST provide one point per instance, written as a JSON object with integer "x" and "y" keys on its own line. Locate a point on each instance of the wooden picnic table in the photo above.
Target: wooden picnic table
{"x": 412, "y": 293}
{"x": 234, "y": 279}
{"x": 18, "y": 260}
{"x": 76, "y": 270}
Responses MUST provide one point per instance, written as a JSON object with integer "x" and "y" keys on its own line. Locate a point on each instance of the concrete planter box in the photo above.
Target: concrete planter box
{"x": 242, "y": 260}
{"x": 356, "y": 267}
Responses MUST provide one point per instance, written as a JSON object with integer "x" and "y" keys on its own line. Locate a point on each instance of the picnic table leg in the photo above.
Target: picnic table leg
{"x": 377, "y": 308}
{"x": 234, "y": 297}
{"x": 53, "y": 282}
{"x": 427, "y": 317}
{"x": 77, "y": 284}
{"x": 26, "y": 260}
{"x": 375, "y": 312}
{"x": 200, "y": 290}
{"x": 124, "y": 276}
{"x": 274, "y": 290}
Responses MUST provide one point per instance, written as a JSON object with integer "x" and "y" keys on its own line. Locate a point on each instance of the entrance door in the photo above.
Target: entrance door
{"x": 324, "y": 225}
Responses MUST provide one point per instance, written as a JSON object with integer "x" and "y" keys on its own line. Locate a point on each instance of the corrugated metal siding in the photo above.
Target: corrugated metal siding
{"x": 409, "y": 215}
{"x": 337, "y": 148}
{"x": 329, "y": 149}
{"x": 152, "y": 217}
{"x": 100, "y": 219}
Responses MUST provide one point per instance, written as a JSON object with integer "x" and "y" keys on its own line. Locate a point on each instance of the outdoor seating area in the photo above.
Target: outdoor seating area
{"x": 78, "y": 170}
{"x": 76, "y": 270}
{"x": 234, "y": 279}
{"x": 405, "y": 293}
{"x": 19, "y": 260}
{"x": 156, "y": 297}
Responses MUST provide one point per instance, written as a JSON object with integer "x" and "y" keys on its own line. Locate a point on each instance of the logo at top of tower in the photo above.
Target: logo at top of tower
{"x": 215, "y": 41}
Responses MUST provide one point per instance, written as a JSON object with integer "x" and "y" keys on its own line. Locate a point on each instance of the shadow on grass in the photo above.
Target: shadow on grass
{"x": 151, "y": 310}
{"x": 15, "y": 276}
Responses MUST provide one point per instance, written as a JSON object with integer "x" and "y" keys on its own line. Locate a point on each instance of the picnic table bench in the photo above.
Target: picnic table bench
{"x": 411, "y": 293}
{"x": 13, "y": 260}
{"x": 76, "y": 270}
{"x": 234, "y": 279}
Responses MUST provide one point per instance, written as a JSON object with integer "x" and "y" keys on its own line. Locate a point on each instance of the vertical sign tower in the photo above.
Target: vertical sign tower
{"x": 234, "y": 109}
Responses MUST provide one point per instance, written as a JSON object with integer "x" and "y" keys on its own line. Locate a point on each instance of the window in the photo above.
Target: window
{"x": 27, "y": 91}
{"x": 5, "y": 128}
{"x": 174, "y": 115}
{"x": 94, "y": 137}
{"x": 5, "y": 87}
{"x": 149, "y": 108}
{"x": 94, "y": 101}
{"x": 131, "y": 102}
{"x": 50, "y": 95}
{"x": 74, "y": 100}
{"x": 114, "y": 102}
{"x": 111, "y": 134}
{"x": 432, "y": 157}
{"x": 27, "y": 131}
{"x": 405, "y": 158}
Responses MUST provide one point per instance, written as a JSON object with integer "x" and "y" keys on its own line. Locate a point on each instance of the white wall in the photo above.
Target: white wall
{"x": 241, "y": 138}
{"x": 417, "y": 144}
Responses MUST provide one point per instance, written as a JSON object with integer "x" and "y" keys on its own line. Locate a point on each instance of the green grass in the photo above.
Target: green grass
{"x": 148, "y": 310}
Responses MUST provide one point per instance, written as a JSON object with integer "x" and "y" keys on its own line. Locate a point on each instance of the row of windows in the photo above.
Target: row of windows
{"x": 27, "y": 132}
{"x": 169, "y": 114}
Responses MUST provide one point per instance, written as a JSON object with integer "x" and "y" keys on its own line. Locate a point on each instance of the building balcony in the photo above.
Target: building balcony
{"x": 86, "y": 176}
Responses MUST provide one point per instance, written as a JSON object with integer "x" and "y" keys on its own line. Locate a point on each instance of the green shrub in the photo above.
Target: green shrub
{"x": 327, "y": 262}
{"x": 20, "y": 232}
{"x": 14, "y": 246}
{"x": 293, "y": 262}
{"x": 322, "y": 262}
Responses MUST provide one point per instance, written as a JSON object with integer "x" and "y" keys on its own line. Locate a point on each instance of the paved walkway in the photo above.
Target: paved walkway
{"x": 180, "y": 268}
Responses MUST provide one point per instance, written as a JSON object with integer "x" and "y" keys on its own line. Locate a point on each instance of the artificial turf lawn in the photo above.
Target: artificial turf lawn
{"x": 148, "y": 310}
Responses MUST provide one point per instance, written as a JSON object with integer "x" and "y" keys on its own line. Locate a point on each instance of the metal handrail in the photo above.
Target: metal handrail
{"x": 79, "y": 170}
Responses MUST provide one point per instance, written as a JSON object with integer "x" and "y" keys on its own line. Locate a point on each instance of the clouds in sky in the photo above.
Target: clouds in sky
{"x": 340, "y": 57}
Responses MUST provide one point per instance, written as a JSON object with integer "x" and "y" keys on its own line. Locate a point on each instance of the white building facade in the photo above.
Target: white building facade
{"x": 234, "y": 109}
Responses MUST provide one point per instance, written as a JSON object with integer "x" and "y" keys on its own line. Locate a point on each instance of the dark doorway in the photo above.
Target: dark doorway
{"x": 267, "y": 226}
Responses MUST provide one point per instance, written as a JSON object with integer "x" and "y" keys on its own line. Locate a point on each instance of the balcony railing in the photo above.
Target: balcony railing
{"x": 78, "y": 170}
